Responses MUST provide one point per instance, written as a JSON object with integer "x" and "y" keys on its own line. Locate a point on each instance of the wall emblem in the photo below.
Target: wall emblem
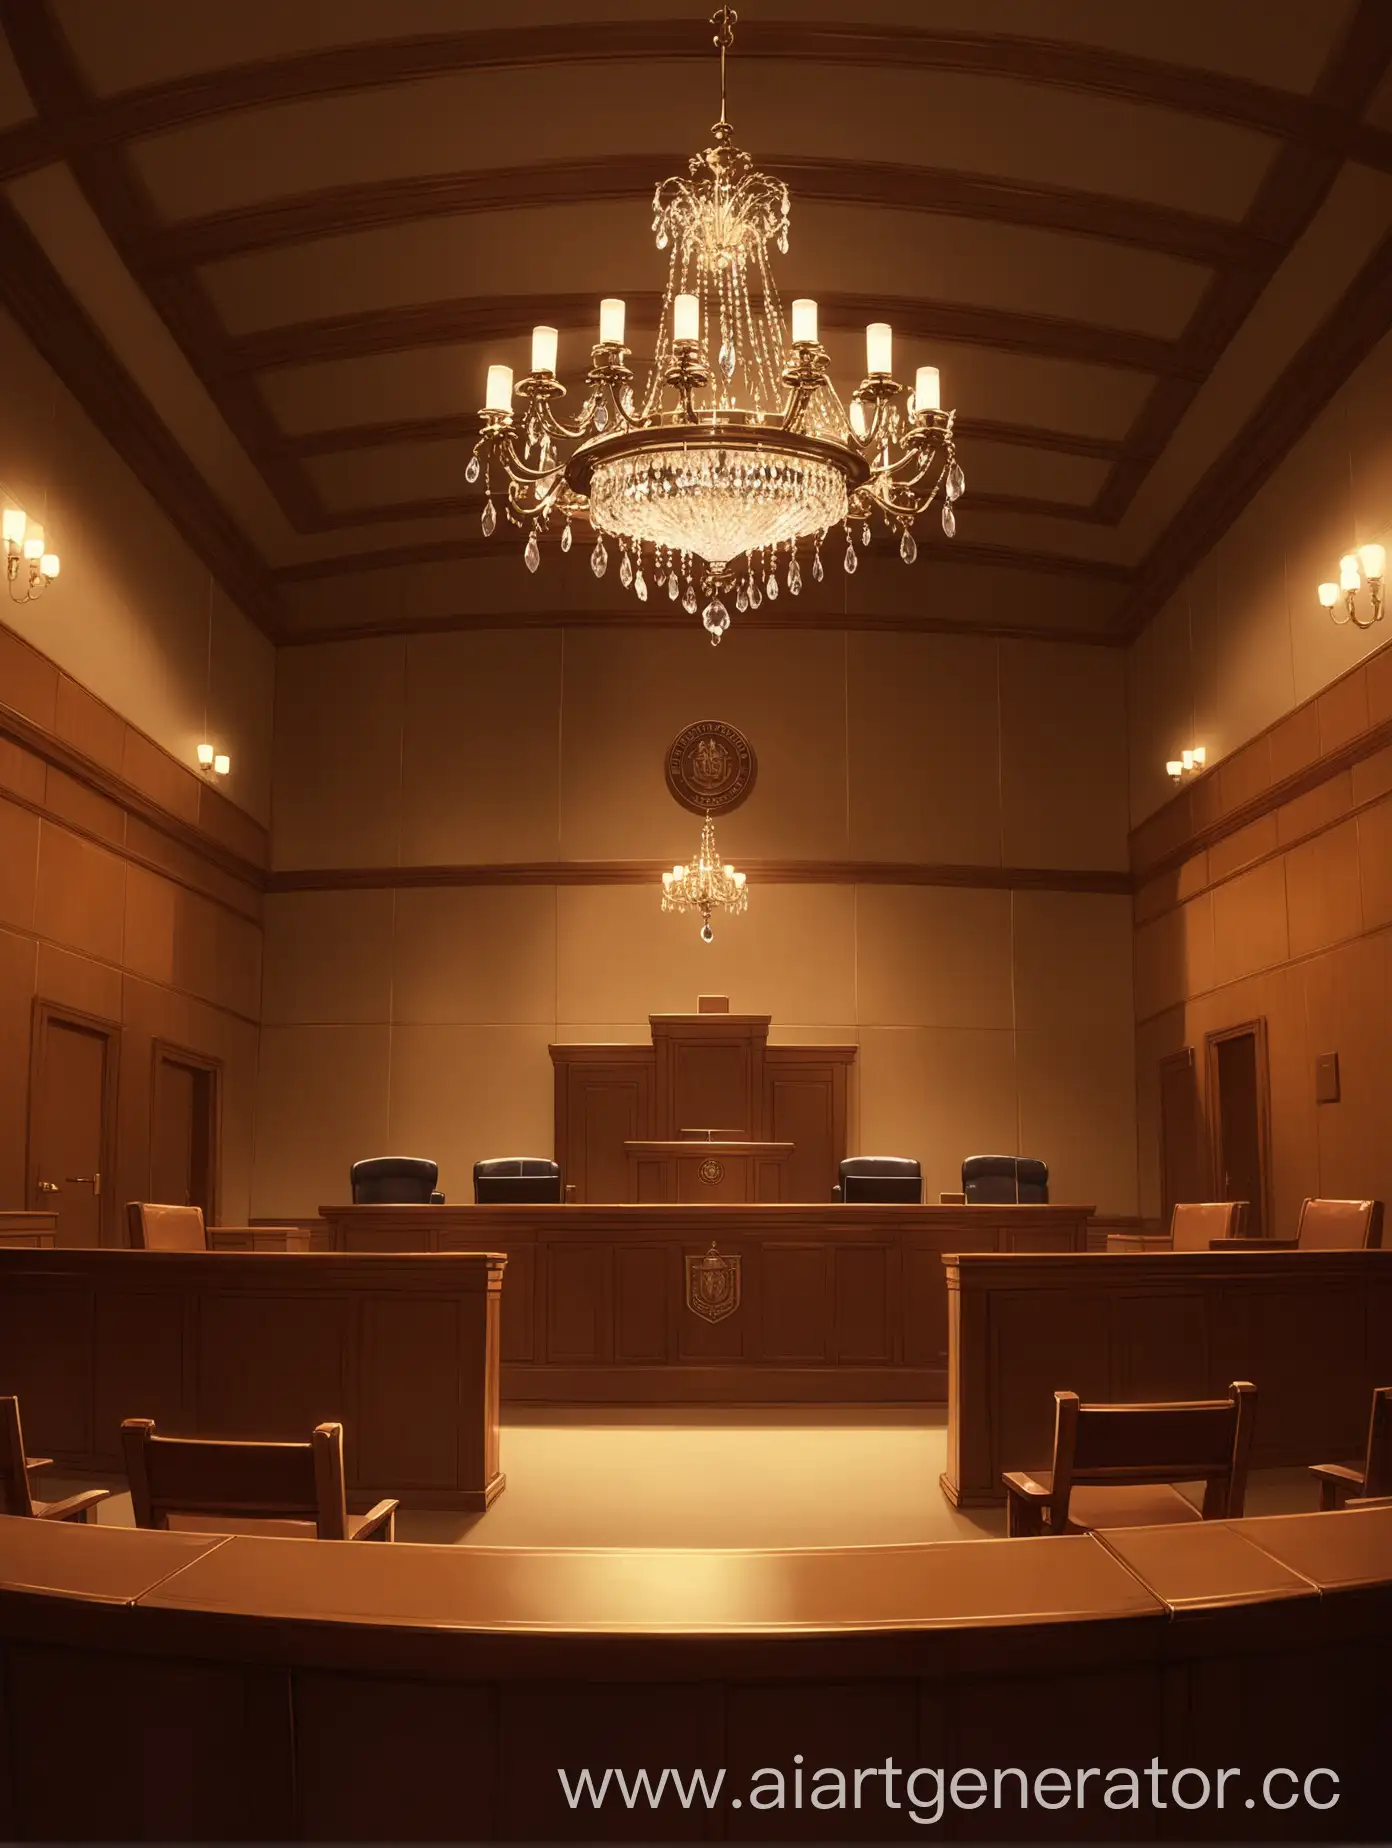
{"x": 711, "y": 1171}
{"x": 710, "y": 767}
{"x": 712, "y": 1285}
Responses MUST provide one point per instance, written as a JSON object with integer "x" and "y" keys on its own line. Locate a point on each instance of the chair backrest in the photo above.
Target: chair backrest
{"x": 218, "y": 1478}
{"x": 165, "y": 1228}
{"x": 1377, "y": 1461}
{"x": 1005, "y": 1180}
{"x": 1204, "y": 1440}
{"x": 15, "y": 1497}
{"x": 1194, "y": 1222}
{"x": 1339, "y": 1225}
{"x": 394, "y": 1180}
{"x": 517, "y": 1180}
{"x": 878, "y": 1179}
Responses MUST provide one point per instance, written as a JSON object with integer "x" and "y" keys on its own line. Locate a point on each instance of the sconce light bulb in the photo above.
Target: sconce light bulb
{"x": 222, "y": 763}
{"x": 1199, "y": 753}
{"x": 1174, "y": 768}
{"x": 49, "y": 566}
{"x": 1187, "y": 759}
{"x": 1329, "y": 595}
{"x": 205, "y": 756}
{"x": 14, "y": 525}
{"x": 1349, "y": 577}
{"x": 1374, "y": 559}
{"x": 34, "y": 543}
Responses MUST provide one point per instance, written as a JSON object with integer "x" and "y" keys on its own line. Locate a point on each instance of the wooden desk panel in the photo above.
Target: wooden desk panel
{"x": 709, "y": 1173}
{"x": 839, "y": 1304}
{"x": 28, "y": 1231}
{"x": 404, "y": 1352}
{"x": 1311, "y": 1330}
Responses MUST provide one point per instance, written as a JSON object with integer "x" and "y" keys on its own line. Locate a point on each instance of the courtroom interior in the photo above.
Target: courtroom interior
{"x": 695, "y": 917}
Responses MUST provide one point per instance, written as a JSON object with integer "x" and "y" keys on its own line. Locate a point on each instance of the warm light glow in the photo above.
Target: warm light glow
{"x": 1187, "y": 759}
{"x": 1199, "y": 753}
{"x": 34, "y": 544}
{"x": 14, "y": 526}
{"x": 804, "y": 322}
{"x": 48, "y": 565}
{"x": 1329, "y": 595}
{"x": 544, "y": 343}
{"x": 1348, "y": 572}
{"x": 686, "y": 318}
{"x": 1174, "y": 768}
{"x": 205, "y": 756}
{"x": 222, "y": 763}
{"x": 611, "y": 320}
{"x": 879, "y": 348}
{"x": 927, "y": 389}
{"x": 499, "y": 395}
{"x": 1374, "y": 559}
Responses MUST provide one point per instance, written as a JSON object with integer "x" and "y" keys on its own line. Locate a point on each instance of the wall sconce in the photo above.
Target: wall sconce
{"x": 28, "y": 565}
{"x": 213, "y": 763}
{"x": 1370, "y": 562}
{"x": 1187, "y": 761}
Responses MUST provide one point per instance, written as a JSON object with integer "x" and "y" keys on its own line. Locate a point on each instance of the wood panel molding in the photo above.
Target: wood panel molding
{"x": 645, "y": 872}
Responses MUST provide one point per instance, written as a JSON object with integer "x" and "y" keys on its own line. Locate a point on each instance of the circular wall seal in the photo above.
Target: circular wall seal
{"x": 711, "y": 1171}
{"x": 710, "y": 767}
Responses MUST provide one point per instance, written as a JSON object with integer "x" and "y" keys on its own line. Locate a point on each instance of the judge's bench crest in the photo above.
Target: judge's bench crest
{"x": 712, "y": 1285}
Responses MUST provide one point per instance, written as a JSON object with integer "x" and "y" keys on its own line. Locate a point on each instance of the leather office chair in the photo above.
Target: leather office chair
{"x": 517, "y": 1180}
{"x": 221, "y": 1485}
{"x": 1005, "y": 1180}
{"x": 1340, "y": 1481}
{"x": 1115, "y": 1465}
{"x": 1339, "y": 1225}
{"x": 873, "y": 1180}
{"x": 395, "y": 1180}
{"x": 1195, "y": 1225}
{"x": 16, "y": 1497}
{"x": 165, "y": 1228}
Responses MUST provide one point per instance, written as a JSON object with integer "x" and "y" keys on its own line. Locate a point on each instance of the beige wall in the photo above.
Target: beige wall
{"x": 134, "y": 616}
{"x": 1244, "y": 639}
{"x": 417, "y": 1020}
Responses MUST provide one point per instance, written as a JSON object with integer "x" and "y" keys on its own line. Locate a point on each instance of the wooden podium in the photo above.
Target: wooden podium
{"x": 710, "y": 1069}
{"x": 701, "y": 1171}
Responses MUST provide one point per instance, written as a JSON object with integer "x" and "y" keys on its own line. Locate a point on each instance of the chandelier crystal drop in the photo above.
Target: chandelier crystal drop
{"x": 708, "y": 884}
{"x": 737, "y": 443}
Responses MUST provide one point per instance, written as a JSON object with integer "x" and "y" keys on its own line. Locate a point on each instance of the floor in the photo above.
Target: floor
{"x": 725, "y": 1478}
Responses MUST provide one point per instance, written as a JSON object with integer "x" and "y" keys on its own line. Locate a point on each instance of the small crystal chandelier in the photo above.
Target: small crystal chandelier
{"x": 737, "y": 450}
{"x": 706, "y": 885}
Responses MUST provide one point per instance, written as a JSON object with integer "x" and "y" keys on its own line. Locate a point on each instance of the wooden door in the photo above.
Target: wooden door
{"x": 72, "y": 1096}
{"x": 184, "y": 1130}
{"x": 1184, "y": 1163}
{"x": 1238, "y": 1118}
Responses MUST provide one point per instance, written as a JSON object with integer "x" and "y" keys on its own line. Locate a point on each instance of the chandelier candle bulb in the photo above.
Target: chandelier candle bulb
{"x": 879, "y": 349}
{"x": 544, "y": 344}
{"x": 15, "y": 523}
{"x": 927, "y": 390}
{"x": 686, "y": 318}
{"x": 499, "y": 394}
{"x": 804, "y": 322}
{"x": 611, "y": 321}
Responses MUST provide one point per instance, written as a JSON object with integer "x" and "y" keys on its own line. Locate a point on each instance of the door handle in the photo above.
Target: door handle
{"x": 83, "y": 1180}
{"x": 49, "y": 1187}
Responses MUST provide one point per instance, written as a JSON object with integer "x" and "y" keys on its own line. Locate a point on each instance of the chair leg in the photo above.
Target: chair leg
{"x": 1023, "y": 1519}
{"x": 1331, "y": 1495}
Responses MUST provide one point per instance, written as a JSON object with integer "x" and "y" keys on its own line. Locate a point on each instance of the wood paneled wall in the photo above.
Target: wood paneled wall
{"x": 989, "y": 992}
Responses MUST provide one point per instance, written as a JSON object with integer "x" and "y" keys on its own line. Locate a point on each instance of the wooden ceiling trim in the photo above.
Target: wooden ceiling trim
{"x": 471, "y": 320}
{"x": 26, "y": 147}
{"x": 67, "y": 339}
{"x": 1293, "y": 191}
{"x": 155, "y": 109}
{"x": 51, "y": 76}
{"x": 446, "y": 551}
{"x": 1327, "y": 359}
{"x": 874, "y": 185}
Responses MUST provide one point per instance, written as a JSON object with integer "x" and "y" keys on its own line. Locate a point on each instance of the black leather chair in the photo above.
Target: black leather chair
{"x": 395, "y": 1180}
{"x": 517, "y": 1180}
{"x": 875, "y": 1179}
{"x": 1005, "y": 1180}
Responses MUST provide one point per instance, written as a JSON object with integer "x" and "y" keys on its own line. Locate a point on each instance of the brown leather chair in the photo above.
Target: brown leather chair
{"x": 16, "y": 1497}
{"x": 1340, "y": 1481}
{"x": 1116, "y": 1465}
{"x": 222, "y": 1485}
{"x": 1339, "y": 1225}
{"x": 1194, "y": 1226}
{"x": 165, "y": 1228}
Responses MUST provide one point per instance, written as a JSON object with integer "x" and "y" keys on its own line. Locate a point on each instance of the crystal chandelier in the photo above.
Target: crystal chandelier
{"x": 706, "y": 885}
{"x": 736, "y": 451}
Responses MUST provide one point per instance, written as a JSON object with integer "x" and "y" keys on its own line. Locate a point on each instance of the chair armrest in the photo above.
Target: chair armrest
{"x": 1253, "y": 1244}
{"x": 33, "y": 1464}
{"x": 75, "y": 1507}
{"x": 437, "y": 1199}
{"x": 1336, "y": 1480}
{"x": 379, "y": 1523}
{"x": 1026, "y": 1501}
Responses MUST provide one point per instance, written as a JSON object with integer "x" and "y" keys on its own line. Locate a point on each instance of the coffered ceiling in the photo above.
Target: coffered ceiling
{"x": 272, "y": 244}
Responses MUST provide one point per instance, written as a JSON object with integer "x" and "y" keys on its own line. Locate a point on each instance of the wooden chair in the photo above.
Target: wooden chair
{"x": 15, "y": 1494}
{"x": 1325, "y": 1225}
{"x": 1115, "y": 1465}
{"x": 197, "y": 1482}
{"x": 1339, "y": 1481}
{"x": 166, "y": 1228}
{"x": 1194, "y": 1226}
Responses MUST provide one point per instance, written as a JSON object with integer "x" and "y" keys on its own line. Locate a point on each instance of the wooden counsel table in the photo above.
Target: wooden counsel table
{"x": 718, "y": 1171}
{"x": 32, "y": 1231}
{"x": 832, "y": 1303}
